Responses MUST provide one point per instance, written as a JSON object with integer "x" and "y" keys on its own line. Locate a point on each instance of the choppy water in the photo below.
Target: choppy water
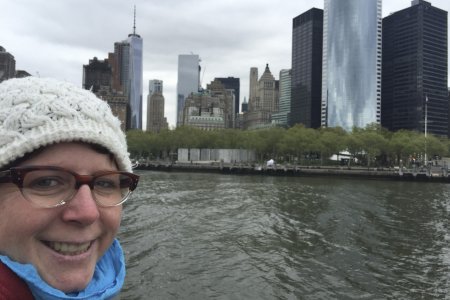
{"x": 212, "y": 236}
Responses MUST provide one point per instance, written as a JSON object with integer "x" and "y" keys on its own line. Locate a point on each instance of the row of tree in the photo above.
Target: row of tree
{"x": 370, "y": 146}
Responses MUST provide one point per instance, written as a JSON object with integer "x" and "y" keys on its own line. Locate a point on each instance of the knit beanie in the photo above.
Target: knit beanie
{"x": 37, "y": 112}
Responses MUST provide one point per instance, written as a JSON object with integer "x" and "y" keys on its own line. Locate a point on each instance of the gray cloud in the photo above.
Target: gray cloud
{"x": 55, "y": 38}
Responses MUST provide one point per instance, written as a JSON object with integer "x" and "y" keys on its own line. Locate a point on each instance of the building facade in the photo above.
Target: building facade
{"x": 188, "y": 81}
{"x": 253, "y": 89}
{"x": 351, "y": 64}
{"x": 119, "y": 106}
{"x": 155, "y": 85}
{"x": 281, "y": 118}
{"x": 156, "y": 121}
{"x": 415, "y": 68}
{"x": 264, "y": 99}
{"x": 120, "y": 64}
{"x": 210, "y": 109}
{"x": 267, "y": 92}
{"x": 97, "y": 74}
{"x": 155, "y": 107}
{"x": 98, "y": 77}
{"x": 7, "y": 65}
{"x": 234, "y": 84}
{"x": 244, "y": 106}
{"x": 307, "y": 38}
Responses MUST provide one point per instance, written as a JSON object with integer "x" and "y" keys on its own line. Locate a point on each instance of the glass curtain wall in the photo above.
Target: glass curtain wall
{"x": 351, "y": 78}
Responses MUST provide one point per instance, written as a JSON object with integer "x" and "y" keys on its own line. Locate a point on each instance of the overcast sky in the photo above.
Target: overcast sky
{"x": 55, "y": 38}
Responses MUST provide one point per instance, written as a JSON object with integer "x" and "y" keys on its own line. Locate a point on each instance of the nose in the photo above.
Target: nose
{"x": 82, "y": 208}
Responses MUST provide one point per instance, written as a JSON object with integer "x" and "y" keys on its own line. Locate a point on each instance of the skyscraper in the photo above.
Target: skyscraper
{"x": 188, "y": 81}
{"x": 268, "y": 92}
{"x": 7, "y": 65}
{"x": 155, "y": 107}
{"x": 253, "y": 89}
{"x": 351, "y": 65}
{"x": 307, "y": 36}
{"x": 120, "y": 64}
{"x": 244, "y": 106}
{"x": 128, "y": 60}
{"x": 233, "y": 84}
{"x": 264, "y": 99}
{"x": 281, "y": 117}
{"x": 135, "y": 78}
{"x": 415, "y": 69}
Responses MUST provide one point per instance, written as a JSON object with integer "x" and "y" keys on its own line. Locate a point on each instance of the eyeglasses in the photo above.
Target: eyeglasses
{"x": 48, "y": 186}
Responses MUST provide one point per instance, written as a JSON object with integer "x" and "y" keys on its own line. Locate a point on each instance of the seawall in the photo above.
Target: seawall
{"x": 418, "y": 174}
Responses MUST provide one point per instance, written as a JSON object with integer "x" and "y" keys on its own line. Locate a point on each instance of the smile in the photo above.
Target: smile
{"x": 69, "y": 248}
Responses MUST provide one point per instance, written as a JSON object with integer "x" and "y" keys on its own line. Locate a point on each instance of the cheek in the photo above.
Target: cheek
{"x": 111, "y": 218}
{"x": 19, "y": 223}
{"x": 10, "y": 213}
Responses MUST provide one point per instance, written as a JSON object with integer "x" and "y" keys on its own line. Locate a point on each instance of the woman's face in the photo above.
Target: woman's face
{"x": 63, "y": 243}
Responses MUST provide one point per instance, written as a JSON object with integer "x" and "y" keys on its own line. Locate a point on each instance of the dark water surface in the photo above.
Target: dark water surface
{"x": 212, "y": 236}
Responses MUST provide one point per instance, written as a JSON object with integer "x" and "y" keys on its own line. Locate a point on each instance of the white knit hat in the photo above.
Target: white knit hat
{"x": 36, "y": 112}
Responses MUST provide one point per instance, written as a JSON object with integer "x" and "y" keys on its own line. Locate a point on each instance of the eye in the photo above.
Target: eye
{"x": 105, "y": 183}
{"x": 45, "y": 183}
{"x": 126, "y": 182}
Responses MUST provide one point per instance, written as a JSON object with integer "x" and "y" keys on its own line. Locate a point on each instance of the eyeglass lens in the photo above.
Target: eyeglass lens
{"x": 51, "y": 188}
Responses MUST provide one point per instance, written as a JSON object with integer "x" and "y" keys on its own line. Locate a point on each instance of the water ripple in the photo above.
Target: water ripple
{"x": 210, "y": 236}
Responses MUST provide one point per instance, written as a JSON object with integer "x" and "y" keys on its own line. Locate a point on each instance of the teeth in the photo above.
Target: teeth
{"x": 69, "y": 249}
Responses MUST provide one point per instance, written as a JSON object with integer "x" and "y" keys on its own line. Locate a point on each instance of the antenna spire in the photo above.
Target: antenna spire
{"x": 134, "y": 21}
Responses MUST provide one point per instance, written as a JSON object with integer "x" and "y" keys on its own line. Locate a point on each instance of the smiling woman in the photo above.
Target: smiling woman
{"x": 64, "y": 174}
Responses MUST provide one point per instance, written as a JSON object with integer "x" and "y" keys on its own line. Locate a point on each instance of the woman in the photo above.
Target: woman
{"x": 64, "y": 174}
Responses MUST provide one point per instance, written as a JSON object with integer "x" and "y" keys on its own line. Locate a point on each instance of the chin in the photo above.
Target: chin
{"x": 72, "y": 284}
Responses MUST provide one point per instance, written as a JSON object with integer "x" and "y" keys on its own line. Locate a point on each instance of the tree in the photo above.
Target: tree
{"x": 406, "y": 145}
{"x": 372, "y": 143}
{"x": 137, "y": 143}
{"x": 332, "y": 141}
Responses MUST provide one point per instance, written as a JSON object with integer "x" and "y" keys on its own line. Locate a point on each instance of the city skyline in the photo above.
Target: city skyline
{"x": 55, "y": 40}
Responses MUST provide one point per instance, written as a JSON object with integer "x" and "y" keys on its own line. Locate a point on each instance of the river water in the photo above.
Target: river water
{"x": 213, "y": 236}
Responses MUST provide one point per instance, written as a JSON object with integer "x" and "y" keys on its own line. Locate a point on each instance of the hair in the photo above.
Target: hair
{"x": 97, "y": 148}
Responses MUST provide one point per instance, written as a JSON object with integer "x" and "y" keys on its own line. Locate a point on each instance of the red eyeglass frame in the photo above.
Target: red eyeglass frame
{"x": 16, "y": 176}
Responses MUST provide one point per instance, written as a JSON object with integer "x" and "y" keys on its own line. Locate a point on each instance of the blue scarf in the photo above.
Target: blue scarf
{"x": 106, "y": 283}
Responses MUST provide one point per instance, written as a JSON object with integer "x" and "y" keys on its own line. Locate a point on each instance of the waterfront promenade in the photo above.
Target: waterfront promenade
{"x": 434, "y": 173}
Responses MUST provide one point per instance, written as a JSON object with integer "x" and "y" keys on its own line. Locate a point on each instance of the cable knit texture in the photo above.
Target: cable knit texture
{"x": 37, "y": 112}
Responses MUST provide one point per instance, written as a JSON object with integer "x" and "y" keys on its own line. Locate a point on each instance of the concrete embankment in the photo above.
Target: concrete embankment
{"x": 289, "y": 170}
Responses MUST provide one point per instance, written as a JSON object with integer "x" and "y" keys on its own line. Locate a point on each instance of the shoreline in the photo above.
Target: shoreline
{"x": 435, "y": 174}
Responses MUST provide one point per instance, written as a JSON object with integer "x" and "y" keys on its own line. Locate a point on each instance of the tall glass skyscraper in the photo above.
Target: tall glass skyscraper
{"x": 128, "y": 56}
{"x": 284, "y": 108}
{"x": 135, "y": 80}
{"x": 307, "y": 36}
{"x": 188, "y": 81}
{"x": 415, "y": 69}
{"x": 351, "y": 74}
